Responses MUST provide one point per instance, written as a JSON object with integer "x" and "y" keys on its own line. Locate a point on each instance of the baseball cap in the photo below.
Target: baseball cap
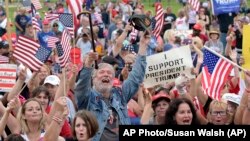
{"x": 159, "y": 96}
{"x": 232, "y": 97}
{"x": 45, "y": 21}
{"x": 52, "y": 79}
{"x": 197, "y": 27}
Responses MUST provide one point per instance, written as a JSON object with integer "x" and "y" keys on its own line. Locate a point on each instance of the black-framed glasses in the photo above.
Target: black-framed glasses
{"x": 215, "y": 113}
{"x": 55, "y": 25}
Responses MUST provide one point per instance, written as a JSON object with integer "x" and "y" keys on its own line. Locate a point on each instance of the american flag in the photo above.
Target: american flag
{"x": 75, "y": 7}
{"x": 51, "y": 16}
{"x": 27, "y": 3}
{"x": 66, "y": 19}
{"x": 52, "y": 41}
{"x": 215, "y": 73}
{"x": 195, "y": 4}
{"x": 35, "y": 23}
{"x": 63, "y": 48}
{"x": 30, "y": 53}
{"x": 4, "y": 59}
{"x": 159, "y": 17}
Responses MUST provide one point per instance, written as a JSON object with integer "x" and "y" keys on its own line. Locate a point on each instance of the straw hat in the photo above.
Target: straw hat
{"x": 214, "y": 31}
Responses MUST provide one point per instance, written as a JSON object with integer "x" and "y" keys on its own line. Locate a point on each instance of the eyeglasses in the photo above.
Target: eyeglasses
{"x": 215, "y": 113}
{"x": 55, "y": 25}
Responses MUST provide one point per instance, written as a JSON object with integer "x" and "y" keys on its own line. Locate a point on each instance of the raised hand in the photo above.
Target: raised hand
{"x": 22, "y": 74}
{"x": 125, "y": 72}
{"x": 128, "y": 27}
{"x": 233, "y": 55}
{"x": 180, "y": 83}
{"x": 242, "y": 60}
{"x": 12, "y": 104}
{"x": 61, "y": 107}
{"x": 147, "y": 97}
{"x": 91, "y": 57}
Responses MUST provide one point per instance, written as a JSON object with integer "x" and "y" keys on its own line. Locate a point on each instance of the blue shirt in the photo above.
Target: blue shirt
{"x": 43, "y": 37}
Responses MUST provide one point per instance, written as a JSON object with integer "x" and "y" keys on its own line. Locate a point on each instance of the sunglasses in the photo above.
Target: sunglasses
{"x": 55, "y": 25}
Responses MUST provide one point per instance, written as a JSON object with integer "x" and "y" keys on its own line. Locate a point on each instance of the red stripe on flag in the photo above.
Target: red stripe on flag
{"x": 65, "y": 41}
{"x": 25, "y": 52}
{"x": 7, "y": 77}
{"x": 37, "y": 4}
{"x": 8, "y": 70}
{"x": 6, "y": 85}
{"x": 75, "y": 7}
{"x": 195, "y": 4}
{"x": 159, "y": 17}
{"x": 218, "y": 78}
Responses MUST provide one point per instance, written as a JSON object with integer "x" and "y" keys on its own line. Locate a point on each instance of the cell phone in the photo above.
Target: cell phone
{"x": 129, "y": 66}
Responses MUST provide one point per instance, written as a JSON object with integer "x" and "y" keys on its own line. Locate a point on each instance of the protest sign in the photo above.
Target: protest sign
{"x": 7, "y": 77}
{"x": 167, "y": 66}
{"x": 75, "y": 55}
{"x": 246, "y": 46}
{"x": 225, "y": 6}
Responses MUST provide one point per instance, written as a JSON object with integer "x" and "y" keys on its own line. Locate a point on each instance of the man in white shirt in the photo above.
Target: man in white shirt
{"x": 3, "y": 24}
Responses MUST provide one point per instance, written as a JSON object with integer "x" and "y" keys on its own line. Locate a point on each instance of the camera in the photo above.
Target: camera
{"x": 129, "y": 66}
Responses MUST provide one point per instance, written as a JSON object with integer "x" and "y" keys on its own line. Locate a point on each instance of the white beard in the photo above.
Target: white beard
{"x": 102, "y": 87}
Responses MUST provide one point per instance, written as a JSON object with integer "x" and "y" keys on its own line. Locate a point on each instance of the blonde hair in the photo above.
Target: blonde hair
{"x": 168, "y": 34}
{"x": 216, "y": 104}
{"x": 22, "y": 120}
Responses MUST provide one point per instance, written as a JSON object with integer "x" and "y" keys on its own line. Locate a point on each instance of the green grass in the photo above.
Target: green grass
{"x": 148, "y": 4}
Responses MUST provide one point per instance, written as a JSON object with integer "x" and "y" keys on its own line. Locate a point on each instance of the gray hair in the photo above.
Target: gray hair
{"x": 103, "y": 65}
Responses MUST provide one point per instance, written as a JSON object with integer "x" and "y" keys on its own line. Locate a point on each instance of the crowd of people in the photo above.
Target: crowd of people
{"x": 88, "y": 99}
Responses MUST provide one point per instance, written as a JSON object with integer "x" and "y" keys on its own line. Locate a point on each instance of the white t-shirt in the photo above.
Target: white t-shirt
{"x": 85, "y": 47}
{"x": 192, "y": 16}
{"x": 181, "y": 24}
{"x": 3, "y": 24}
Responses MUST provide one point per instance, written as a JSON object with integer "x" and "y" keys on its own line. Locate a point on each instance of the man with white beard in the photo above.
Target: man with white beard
{"x": 109, "y": 104}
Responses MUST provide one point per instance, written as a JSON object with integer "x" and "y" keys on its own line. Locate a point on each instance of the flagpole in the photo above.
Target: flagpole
{"x": 8, "y": 26}
{"x": 64, "y": 82}
{"x": 91, "y": 31}
{"x": 74, "y": 45}
{"x": 226, "y": 59}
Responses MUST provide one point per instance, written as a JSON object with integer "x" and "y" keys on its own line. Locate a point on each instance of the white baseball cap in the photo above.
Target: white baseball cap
{"x": 52, "y": 79}
{"x": 232, "y": 97}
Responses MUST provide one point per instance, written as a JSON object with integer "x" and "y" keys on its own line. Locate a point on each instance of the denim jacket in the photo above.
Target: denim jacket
{"x": 90, "y": 99}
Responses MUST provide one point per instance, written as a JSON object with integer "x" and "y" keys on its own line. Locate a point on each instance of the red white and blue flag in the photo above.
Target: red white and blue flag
{"x": 63, "y": 48}
{"x": 159, "y": 18}
{"x": 215, "y": 73}
{"x": 30, "y": 53}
